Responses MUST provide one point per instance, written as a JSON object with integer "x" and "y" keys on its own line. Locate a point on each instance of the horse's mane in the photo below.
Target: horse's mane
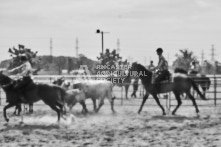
{"x": 145, "y": 74}
{"x": 142, "y": 68}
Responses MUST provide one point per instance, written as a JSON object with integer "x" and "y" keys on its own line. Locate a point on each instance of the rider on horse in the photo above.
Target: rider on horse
{"x": 26, "y": 72}
{"x": 194, "y": 68}
{"x": 162, "y": 67}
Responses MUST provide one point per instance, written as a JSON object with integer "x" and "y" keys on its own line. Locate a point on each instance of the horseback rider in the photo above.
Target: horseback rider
{"x": 162, "y": 67}
{"x": 26, "y": 72}
{"x": 194, "y": 68}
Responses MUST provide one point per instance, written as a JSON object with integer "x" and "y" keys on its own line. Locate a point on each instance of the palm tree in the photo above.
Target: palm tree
{"x": 184, "y": 59}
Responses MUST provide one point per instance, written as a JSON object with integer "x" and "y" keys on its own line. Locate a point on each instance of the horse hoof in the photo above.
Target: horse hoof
{"x": 5, "y": 124}
{"x": 7, "y": 120}
{"x": 173, "y": 113}
{"x": 64, "y": 118}
{"x": 21, "y": 123}
{"x": 164, "y": 113}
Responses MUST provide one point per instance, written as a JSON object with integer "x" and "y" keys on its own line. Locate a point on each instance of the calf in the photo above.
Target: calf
{"x": 74, "y": 96}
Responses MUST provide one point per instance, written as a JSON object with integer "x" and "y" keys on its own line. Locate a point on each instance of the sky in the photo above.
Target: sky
{"x": 141, "y": 26}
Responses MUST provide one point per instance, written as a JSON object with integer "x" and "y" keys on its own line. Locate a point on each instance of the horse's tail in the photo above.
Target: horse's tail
{"x": 197, "y": 89}
{"x": 208, "y": 83}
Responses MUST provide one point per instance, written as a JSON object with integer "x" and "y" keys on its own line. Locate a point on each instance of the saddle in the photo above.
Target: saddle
{"x": 24, "y": 83}
{"x": 168, "y": 79}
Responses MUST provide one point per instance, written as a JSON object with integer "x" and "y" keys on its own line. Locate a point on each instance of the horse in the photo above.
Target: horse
{"x": 201, "y": 80}
{"x": 181, "y": 84}
{"x": 51, "y": 95}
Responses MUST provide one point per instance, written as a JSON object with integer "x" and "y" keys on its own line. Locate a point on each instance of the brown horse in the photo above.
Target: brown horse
{"x": 51, "y": 95}
{"x": 182, "y": 84}
{"x": 201, "y": 80}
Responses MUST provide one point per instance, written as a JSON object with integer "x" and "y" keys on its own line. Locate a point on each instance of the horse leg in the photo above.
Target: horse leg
{"x": 132, "y": 95}
{"x": 135, "y": 96}
{"x": 158, "y": 102}
{"x": 101, "y": 102}
{"x": 177, "y": 95}
{"x": 204, "y": 91}
{"x": 31, "y": 108}
{"x": 194, "y": 102}
{"x": 5, "y": 108}
{"x": 61, "y": 107}
{"x": 17, "y": 107}
{"x": 126, "y": 90}
{"x": 57, "y": 110}
{"x": 144, "y": 100}
{"x": 83, "y": 106}
{"x": 94, "y": 103}
{"x": 111, "y": 100}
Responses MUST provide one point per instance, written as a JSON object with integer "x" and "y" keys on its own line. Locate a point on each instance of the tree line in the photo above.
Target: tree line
{"x": 55, "y": 65}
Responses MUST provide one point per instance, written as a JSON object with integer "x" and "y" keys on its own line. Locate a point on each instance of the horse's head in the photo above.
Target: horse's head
{"x": 4, "y": 79}
{"x": 139, "y": 69}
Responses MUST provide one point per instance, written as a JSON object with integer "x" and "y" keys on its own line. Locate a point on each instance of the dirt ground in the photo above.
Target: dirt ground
{"x": 126, "y": 128}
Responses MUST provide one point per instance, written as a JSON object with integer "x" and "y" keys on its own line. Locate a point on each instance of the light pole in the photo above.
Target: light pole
{"x": 102, "y": 39}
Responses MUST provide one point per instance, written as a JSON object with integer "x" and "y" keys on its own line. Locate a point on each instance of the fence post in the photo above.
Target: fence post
{"x": 0, "y": 97}
{"x": 168, "y": 101}
{"x": 122, "y": 95}
{"x": 215, "y": 85}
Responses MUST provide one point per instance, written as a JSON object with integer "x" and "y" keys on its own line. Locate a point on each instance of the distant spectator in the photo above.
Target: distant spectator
{"x": 204, "y": 67}
{"x": 135, "y": 87}
{"x": 194, "y": 68}
{"x": 151, "y": 66}
{"x": 217, "y": 67}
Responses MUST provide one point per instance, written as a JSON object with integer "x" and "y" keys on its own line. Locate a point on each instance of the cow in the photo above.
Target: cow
{"x": 97, "y": 89}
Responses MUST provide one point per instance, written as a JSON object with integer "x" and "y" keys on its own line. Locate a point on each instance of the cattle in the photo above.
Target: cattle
{"x": 97, "y": 89}
{"x": 74, "y": 96}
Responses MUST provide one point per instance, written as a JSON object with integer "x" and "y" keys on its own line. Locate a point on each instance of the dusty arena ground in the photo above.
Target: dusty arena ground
{"x": 126, "y": 128}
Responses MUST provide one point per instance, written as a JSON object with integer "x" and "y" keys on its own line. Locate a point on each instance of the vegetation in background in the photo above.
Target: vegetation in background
{"x": 46, "y": 64}
{"x": 22, "y": 51}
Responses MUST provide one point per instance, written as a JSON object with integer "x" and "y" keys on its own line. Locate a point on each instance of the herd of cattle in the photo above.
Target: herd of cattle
{"x": 93, "y": 89}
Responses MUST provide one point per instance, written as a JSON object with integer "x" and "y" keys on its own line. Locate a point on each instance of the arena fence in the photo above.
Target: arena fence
{"x": 213, "y": 94}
